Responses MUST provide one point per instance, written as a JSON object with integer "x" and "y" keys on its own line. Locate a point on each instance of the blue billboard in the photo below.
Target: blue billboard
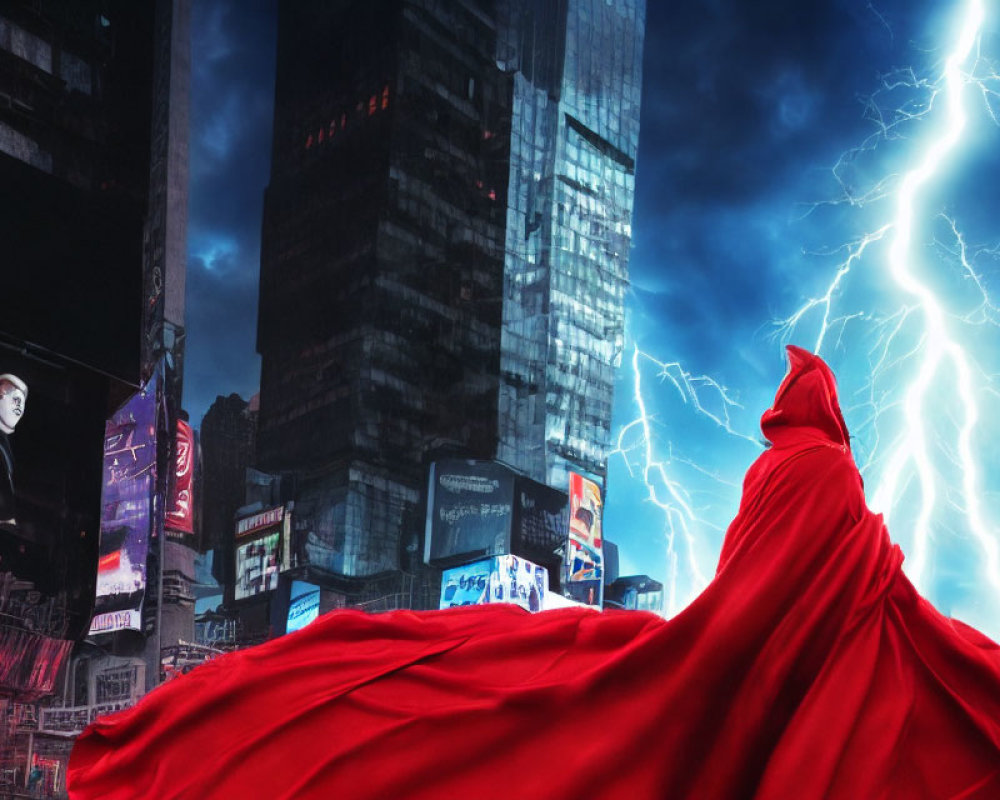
{"x": 303, "y": 606}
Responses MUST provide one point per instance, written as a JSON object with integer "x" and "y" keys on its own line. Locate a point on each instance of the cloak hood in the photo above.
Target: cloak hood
{"x": 806, "y": 403}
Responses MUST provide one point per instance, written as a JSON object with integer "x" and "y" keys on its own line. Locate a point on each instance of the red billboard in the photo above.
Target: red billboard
{"x": 180, "y": 515}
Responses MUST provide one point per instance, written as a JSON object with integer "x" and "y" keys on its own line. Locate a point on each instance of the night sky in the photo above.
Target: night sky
{"x": 774, "y": 136}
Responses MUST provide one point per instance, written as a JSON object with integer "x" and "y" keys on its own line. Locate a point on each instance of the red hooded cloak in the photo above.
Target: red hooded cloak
{"x": 809, "y": 668}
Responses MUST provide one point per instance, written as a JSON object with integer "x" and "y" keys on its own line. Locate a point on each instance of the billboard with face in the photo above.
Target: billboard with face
{"x": 258, "y": 552}
{"x": 126, "y": 512}
{"x": 585, "y": 558}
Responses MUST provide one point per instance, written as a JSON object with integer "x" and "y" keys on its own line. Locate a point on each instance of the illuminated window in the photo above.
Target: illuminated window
{"x": 385, "y": 96}
{"x": 372, "y": 105}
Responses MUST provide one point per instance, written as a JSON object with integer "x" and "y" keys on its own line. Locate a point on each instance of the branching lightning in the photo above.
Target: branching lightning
{"x": 937, "y": 347}
{"x": 921, "y": 370}
{"x": 664, "y": 488}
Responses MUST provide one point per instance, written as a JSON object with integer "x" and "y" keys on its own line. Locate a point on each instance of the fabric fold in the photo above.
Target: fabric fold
{"x": 808, "y": 668}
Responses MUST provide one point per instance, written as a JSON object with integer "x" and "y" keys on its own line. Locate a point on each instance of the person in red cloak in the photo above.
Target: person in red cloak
{"x": 808, "y": 668}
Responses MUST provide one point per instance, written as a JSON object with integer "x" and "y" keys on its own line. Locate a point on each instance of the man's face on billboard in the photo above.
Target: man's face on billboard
{"x": 12, "y": 401}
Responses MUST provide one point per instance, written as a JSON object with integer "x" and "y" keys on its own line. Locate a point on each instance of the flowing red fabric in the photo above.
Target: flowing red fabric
{"x": 809, "y": 668}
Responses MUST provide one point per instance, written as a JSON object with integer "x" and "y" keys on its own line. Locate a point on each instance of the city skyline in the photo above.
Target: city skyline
{"x": 747, "y": 109}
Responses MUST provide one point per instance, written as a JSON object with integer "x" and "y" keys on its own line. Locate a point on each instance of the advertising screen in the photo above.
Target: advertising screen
{"x": 585, "y": 573}
{"x": 469, "y": 510}
{"x": 541, "y": 518}
{"x": 303, "y": 606}
{"x": 180, "y": 515}
{"x": 258, "y": 552}
{"x": 126, "y": 512}
{"x": 501, "y": 579}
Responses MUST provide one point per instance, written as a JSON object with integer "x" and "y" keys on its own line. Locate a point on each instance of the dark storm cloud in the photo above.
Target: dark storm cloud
{"x": 222, "y": 324}
{"x": 747, "y": 107}
{"x": 232, "y": 80}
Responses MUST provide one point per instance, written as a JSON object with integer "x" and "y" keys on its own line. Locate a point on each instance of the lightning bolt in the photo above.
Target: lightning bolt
{"x": 922, "y": 378}
{"x": 665, "y": 487}
{"x": 938, "y": 356}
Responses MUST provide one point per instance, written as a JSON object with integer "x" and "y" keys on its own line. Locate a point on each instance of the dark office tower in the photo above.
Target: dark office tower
{"x": 75, "y": 98}
{"x": 577, "y": 73}
{"x": 444, "y": 255}
{"x": 228, "y": 439}
{"x": 381, "y": 265}
{"x": 79, "y": 138}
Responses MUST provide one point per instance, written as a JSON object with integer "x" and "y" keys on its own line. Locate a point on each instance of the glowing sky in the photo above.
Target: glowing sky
{"x": 758, "y": 141}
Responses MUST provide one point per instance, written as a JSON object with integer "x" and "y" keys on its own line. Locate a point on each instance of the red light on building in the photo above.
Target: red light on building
{"x": 385, "y": 97}
{"x": 319, "y": 136}
{"x": 372, "y": 105}
{"x": 309, "y": 141}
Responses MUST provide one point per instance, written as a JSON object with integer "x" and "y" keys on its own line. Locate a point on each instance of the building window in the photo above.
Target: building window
{"x": 15, "y": 39}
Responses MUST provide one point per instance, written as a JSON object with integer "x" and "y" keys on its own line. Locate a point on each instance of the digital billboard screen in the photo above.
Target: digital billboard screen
{"x": 303, "y": 606}
{"x": 129, "y": 479}
{"x": 469, "y": 510}
{"x": 585, "y": 558}
{"x": 258, "y": 552}
{"x": 500, "y": 579}
{"x": 180, "y": 509}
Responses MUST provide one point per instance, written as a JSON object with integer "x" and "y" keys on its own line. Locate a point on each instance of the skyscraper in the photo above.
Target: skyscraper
{"x": 444, "y": 255}
{"x": 576, "y": 67}
{"x": 228, "y": 436}
{"x": 93, "y": 166}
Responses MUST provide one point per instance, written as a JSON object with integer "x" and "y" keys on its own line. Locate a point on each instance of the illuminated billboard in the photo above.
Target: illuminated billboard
{"x": 259, "y": 547}
{"x": 180, "y": 514}
{"x": 501, "y": 579}
{"x": 126, "y": 512}
{"x": 585, "y": 558}
{"x": 483, "y": 508}
{"x": 469, "y": 510}
{"x": 303, "y": 606}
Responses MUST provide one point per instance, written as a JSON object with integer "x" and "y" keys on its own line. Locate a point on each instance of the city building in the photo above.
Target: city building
{"x": 443, "y": 262}
{"x": 228, "y": 436}
{"x": 93, "y": 166}
{"x": 576, "y": 68}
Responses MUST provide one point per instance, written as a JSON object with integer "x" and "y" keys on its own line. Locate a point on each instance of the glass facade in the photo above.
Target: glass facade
{"x": 444, "y": 255}
{"x": 575, "y": 131}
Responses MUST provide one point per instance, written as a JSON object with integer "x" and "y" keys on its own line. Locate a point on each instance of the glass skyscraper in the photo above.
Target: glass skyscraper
{"x": 577, "y": 74}
{"x": 444, "y": 258}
